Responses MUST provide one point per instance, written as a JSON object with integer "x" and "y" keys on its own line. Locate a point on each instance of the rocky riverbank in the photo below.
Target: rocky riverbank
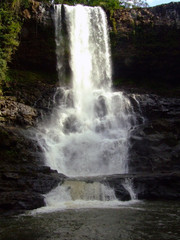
{"x": 23, "y": 177}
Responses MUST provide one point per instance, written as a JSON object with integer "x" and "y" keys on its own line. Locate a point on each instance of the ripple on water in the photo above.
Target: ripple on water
{"x": 140, "y": 221}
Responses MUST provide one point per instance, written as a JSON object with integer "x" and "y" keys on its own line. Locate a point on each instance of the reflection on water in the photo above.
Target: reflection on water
{"x": 141, "y": 221}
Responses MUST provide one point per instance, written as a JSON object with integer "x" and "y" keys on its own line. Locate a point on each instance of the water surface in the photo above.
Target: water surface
{"x": 140, "y": 221}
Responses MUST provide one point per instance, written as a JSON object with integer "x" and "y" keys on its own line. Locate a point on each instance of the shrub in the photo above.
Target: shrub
{"x": 10, "y": 27}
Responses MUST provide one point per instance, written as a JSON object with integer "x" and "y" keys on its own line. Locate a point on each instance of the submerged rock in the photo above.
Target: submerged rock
{"x": 146, "y": 186}
{"x": 143, "y": 186}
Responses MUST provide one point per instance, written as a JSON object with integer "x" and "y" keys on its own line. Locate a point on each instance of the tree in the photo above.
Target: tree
{"x": 107, "y": 4}
{"x": 10, "y": 27}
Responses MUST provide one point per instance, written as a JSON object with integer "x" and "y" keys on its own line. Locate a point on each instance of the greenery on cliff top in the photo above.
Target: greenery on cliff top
{"x": 10, "y": 27}
{"x": 107, "y": 4}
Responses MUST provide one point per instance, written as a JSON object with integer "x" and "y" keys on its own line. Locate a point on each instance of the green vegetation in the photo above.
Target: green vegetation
{"x": 30, "y": 78}
{"x": 10, "y": 27}
{"x": 16, "y": 78}
{"x": 106, "y": 4}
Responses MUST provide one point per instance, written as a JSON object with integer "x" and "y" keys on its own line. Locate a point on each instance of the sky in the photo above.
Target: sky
{"x": 158, "y": 2}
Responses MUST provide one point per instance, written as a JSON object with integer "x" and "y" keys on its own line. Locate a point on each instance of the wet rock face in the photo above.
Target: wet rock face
{"x": 23, "y": 178}
{"x": 145, "y": 47}
{"x": 37, "y": 46}
{"x": 156, "y": 141}
{"x": 159, "y": 186}
{"x": 149, "y": 186}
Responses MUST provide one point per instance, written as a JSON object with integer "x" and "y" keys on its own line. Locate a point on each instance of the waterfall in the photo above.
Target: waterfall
{"x": 88, "y": 133}
{"x": 74, "y": 193}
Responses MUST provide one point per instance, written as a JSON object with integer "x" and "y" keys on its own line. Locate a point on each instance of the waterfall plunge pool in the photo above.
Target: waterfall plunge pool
{"x": 141, "y": 221}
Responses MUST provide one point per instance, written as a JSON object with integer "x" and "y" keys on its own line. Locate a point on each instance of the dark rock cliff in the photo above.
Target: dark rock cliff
{"x": 37, "y": 46}
{"x": 156, "y": 141}
{"x": 145, "y": 51}
{"x": 145, "y": 46}
{"x": 23, "y": 176}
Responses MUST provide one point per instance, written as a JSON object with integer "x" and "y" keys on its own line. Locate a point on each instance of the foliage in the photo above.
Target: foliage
{"x": 15, "y": 5}
{"x": 107, "y": 4}
{"x": 9, "y": 29}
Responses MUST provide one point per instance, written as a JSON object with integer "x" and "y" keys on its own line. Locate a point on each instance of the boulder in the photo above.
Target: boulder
{"x": 13, "y": 112}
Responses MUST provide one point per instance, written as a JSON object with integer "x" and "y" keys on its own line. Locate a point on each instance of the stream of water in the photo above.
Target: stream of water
{"x": 88, "y": 131}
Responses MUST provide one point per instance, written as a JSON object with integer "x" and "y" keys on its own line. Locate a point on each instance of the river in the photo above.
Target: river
{"x": 140, "y": 221}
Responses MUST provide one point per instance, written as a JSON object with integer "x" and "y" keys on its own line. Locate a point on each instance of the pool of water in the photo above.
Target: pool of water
{"x": 138, "y": 221}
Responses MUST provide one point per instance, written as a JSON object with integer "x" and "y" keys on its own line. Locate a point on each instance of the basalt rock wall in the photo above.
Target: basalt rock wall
{"x": 37, "y": 41}
{"x": 145, "y": 45}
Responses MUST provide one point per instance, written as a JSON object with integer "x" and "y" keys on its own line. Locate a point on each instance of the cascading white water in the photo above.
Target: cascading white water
{"x": 88, "y": 133}
{"x": 73, "y": 193}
